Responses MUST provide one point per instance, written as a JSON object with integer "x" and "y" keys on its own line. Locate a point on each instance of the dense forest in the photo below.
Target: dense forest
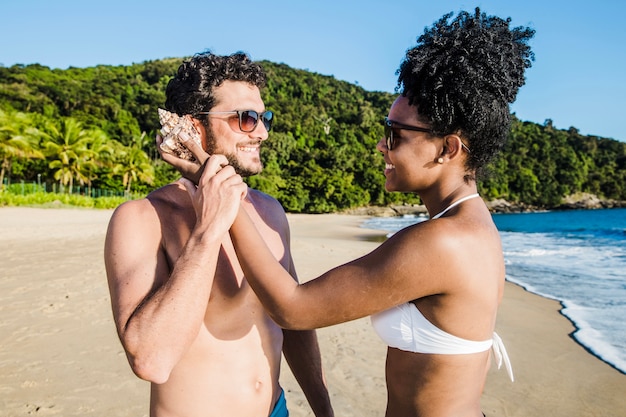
{"x": 94, "y": 128}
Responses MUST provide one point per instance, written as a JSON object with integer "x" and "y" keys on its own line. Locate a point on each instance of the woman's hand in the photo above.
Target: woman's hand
{"x": 192, "y": 170}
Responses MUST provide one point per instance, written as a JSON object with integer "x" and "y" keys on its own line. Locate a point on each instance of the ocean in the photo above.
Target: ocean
{"x": 576, "y": 257}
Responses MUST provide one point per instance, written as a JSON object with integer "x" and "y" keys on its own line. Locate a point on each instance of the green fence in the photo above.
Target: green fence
{"x": 41, "y": 194}
{"x": 24, "y": 188}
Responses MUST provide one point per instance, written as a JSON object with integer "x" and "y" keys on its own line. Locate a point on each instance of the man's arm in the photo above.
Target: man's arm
{"x": 302, "y": 353}
{"x": 157, "y": 313}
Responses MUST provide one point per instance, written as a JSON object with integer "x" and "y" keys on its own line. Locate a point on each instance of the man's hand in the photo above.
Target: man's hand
{"x": 218, "y": 195}
{"x": 192, "y": 170}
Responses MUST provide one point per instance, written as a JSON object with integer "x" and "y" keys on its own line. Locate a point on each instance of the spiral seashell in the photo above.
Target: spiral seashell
{"x": 175, "y": 130}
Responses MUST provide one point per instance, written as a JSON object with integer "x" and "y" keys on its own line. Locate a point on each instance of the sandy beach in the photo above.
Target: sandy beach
{"x": 59, "y": 353}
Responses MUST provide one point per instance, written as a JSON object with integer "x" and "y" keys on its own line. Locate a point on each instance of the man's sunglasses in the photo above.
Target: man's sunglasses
{"x": 248, "y": 119}
{"x": 390, "y": 126}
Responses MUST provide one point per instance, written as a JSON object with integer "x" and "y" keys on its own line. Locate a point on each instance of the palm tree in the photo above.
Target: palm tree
{"x": 69, "y": 147}
{"x": 134, "y": 164}
{"x": 17, "y": 140}
{"x": 101, "y": 150}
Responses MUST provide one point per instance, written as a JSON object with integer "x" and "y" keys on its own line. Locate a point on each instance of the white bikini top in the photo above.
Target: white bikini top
{"x": 404, "y": 327}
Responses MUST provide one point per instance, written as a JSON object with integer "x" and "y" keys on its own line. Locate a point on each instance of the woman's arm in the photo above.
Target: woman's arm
{"x": 379, "y": 280}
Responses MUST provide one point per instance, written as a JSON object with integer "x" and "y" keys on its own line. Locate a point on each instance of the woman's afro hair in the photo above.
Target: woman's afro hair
{"x": 463, "y": 74}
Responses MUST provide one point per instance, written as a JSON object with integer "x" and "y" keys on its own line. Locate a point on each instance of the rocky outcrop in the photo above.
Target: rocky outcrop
{"x": 585, "y": 201}
{"x": 388, "y": 211}
{"x": 502, "y": 206}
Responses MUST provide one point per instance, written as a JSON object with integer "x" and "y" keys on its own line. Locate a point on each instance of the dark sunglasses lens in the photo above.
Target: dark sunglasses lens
{"x": 268, "y": 119}
{"x": 248, "y": 120}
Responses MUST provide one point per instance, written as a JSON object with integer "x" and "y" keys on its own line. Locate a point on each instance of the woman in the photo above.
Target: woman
{"x": 432, "y": 289}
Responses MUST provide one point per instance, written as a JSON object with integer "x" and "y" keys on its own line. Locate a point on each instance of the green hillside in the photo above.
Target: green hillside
{"x": 94, "y": 128}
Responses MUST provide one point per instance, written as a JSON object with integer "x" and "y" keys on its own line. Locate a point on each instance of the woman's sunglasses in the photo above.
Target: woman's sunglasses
{"x": 248, "y": 119}
{"x": 390, "y": 126}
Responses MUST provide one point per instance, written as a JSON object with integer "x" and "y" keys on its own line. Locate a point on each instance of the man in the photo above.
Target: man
{"x": 188, "y": 320}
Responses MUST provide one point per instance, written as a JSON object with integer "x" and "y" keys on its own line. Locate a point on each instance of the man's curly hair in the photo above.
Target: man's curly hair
{"x": 192, "y": 88}
{"x": 462, "y": 76}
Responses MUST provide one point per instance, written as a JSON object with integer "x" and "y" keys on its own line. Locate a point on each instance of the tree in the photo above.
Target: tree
{"x": 133, "y": 164}
{"x": 68, "y": 145}
{"x": 17, "y": 140}
{"x": 101, "y": 150}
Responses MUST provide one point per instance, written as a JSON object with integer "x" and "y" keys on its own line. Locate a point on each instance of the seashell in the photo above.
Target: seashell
{"x": 175, "y": 130}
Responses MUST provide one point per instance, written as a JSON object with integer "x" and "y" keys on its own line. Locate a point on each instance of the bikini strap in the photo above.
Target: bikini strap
{"x": 453, "y": 205}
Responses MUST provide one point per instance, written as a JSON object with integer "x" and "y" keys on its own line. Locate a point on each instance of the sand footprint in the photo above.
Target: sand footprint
{"x": 41, "y": 410}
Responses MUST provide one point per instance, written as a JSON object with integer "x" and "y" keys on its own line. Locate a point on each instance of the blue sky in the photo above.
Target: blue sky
{"x": 577, "y": 79}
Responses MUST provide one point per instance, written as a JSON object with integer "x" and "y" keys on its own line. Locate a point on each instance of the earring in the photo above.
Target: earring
{"x": 440, "y": 160}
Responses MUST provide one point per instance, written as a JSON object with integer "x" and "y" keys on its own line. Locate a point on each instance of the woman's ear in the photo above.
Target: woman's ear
{"x": 452, "y": 146}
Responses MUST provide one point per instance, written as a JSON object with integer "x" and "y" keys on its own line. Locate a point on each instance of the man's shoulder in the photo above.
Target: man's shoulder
{"x": 169, "y": 196}
{"x": 268, "y": 208}
{"x": 159, "y": 202}
{"x": 263, "y": 202}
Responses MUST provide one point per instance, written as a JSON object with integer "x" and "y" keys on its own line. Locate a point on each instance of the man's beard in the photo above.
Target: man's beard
{"x": 211, "y": 149}
{"x": 244, "y": 172}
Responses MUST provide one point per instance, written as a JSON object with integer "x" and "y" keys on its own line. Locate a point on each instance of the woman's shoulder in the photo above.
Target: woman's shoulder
{"x": 459, "y": 240}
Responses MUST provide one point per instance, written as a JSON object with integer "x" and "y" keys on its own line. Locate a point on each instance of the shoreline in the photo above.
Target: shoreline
{"x": 574, "y": 325}
{"x": 59, "y": 352}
